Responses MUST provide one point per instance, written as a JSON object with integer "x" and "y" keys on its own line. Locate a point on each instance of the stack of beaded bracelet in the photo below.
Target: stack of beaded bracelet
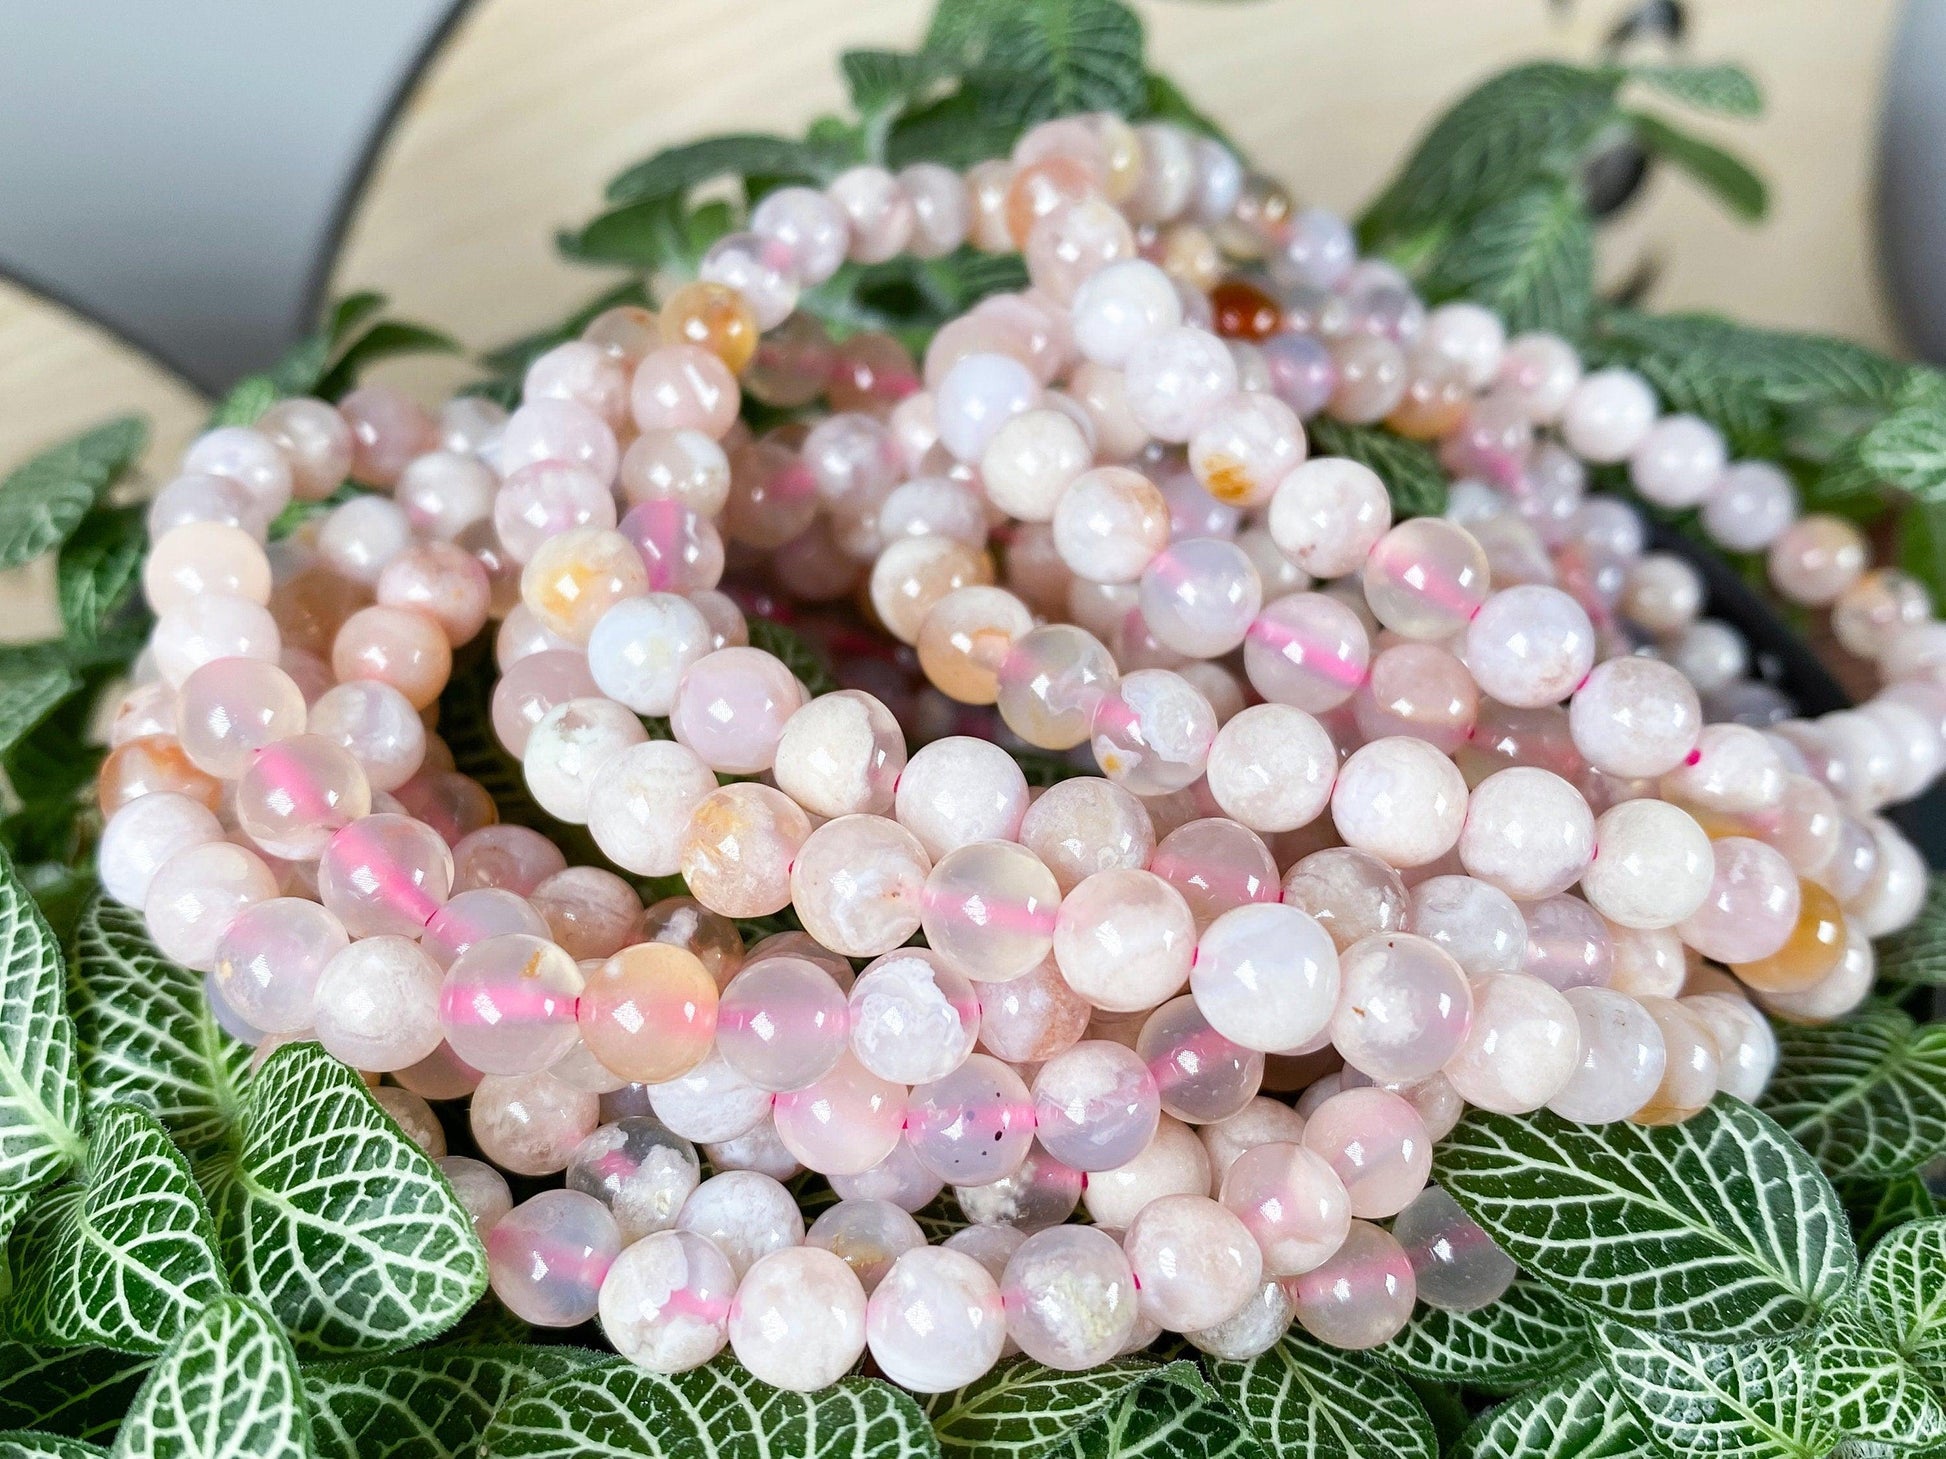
{"x": 1537, "y": 863}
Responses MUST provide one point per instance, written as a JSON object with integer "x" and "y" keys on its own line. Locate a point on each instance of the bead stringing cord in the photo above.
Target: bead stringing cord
{"x": 1392, "y": 817}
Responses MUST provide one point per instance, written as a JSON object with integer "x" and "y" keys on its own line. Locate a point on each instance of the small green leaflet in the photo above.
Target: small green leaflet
{"x": 1411, "y": 472}
{"x": 1023, "y": 1409}
{"x": 121, "y": 1257}
{"x": 43, "y": 501}
{"x": 333, "y": 1219}
{"x": 673, "y": 171}
{"x": 1174, "y": 1415}
{"x": 25, "y": 1444}
{"x": 1866, "y": 1096}
{"x": 80, "y": 1392}
{"x": 1916, "y": 956}
{"x": 28, "y": 696}
{"x": 246, "y": 402}
{"x": 1878, "y": 1207}
{"x": 1719, "y": 88}
{"x": 1525, "y": 1335}
{"x": 1722, "y": 173}
{"x": 424, "y": 1405}
{"x": 1902, "y": 1292}
{"x": 1530, "y": 257}
{"x": 1781, "y": 367}
{"x": 146, "y": 1033}
{"x": 1580, "y": 1415}
{"x": 40, "y": 1098}
{"x": 1302, "y": 1398}
{"x": 1038, "y": 59}
{"x": 1907, "y": 450}
{"x": 227, "y": 1389}
{"x": 1720, "y": 1227}
{"x": 99, "y": 568}
{"x": 798, "y": 656}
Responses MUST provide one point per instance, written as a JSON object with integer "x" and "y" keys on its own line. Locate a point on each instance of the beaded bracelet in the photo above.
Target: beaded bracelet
{"x": 1111, "y": 970}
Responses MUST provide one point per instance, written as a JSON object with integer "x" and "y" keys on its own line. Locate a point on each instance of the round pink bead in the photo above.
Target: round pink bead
{"x": 844, "y": 1123}
{"x": 1070, "y": 1297}
{"x": 972, "y": 1126}
{"x": 195, "y": 896}
{"x": 1202, "y": 1076}
{"x": 269, "y": 958}
{"x": 1404, "y": 1007}
{"x": 1426, "y": 578}
{"x": 1095, "y": 1105}
{"x": 508, "y": 1004}
{"x": 1307, "y": 650}
{"x": 1362, "y": 1296}
{"x": 1376, "y": 1144}
{"x": 1751, "y": 907}
{"x": 385, "y": 874}
{"x": 989, "y": 909}
{"x": 731, "y": 708}
{"x": 782, "y": 1023}
{"x": 1292, "y": 1203}
{"x": 549, "y": 1256}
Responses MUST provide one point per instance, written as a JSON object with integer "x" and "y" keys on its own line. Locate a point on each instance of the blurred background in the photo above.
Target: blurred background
{"x": 185, "y": 184}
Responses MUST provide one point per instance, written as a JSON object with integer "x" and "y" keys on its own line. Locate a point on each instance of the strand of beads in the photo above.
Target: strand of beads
{"x": 1115, "y": 969}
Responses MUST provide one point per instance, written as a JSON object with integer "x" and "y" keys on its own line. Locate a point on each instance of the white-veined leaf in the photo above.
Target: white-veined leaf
{"x": 1526, "y": 1334}
{"x": 1304, "y": 1399}
{"x": 146, "y": 1034}
{"x": 1720, "y": 88}
{"x": 28, "y": 695}
{"x": 26, "y": 1444}
{"x": 226, "y": 1389}
{"x": 122, "y": 1256}
{"x": 1866, "y": 1096}
{"x": 44, "y": 500}
{"x": 1754, "y": 1400}
{"x": 1530, "y": 257}
{"x": 1050, "y": 58}
{"x": 1174, "y": 1414}
{"x": 424, "y": 1405}
{"x": 333, "y": 1219}
{"x": 1579, "y": 1415}
{"x": 1902, "y": 1292}
{"x": 1024, "y": 1408}
{"x": 1719, "y": 1227}
{"x": 1870, "y": 1391}
{"x": 1725, "y": 174}
{"x": 40, "y": 1098}
{"x": 1916, "y": 954}
{"x": 80, "y": 1392}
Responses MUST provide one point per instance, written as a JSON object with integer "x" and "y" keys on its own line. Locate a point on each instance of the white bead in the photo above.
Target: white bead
{"x": 1678, "y": 461}
{"x": 979, "y": 395}
{"x": 798, "y": 1321}
{"x": 1608, "y": 414}
{"x": 144, "y": 835}
{"x": 960, "y": 790}
{"x": 1530, "y": 645}
{"x": 643, "y": 807}
{"x": 1271, "y": 768}
{"x": 1654, "y": 865}
{"x": 1326, "y": 515}
{"x": 1175, "y": 377}
{"x": 1029, "y": 462}
{"x": 935, "y": 1322}
{"x": 1528, "y": 832}
{"x": 569, "y": 752}
{"x": 1401, "y": 800}
{"x": 1119, "y": 307}
{"x": 641, "y": 647}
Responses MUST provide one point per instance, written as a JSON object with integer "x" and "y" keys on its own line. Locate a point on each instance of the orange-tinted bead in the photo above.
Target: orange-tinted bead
{"x": 1813, "y": 949}
{"x": 1038, "y": 190}
{"x": 1241, "y": 310}
{"x": 153, "y": 762}
{"x": 1435, "y": 399}
{"x": 714, "y": 317}
{"x": 872, "y": 371}
{"x": 1189, "y": 253}
{"x": 627, "y": 332}
{"x": 648, "y": 1014}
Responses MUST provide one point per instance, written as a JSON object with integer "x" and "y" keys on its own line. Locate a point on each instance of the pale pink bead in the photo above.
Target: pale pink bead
{"x": 1195, "y": 1262}
{"x": 389, "y": 430}
{"x": 680, "y": 547}
{"x": 1266, "y": 977}
{"x": 940, "y": 211}
{"x": 738, "y": 847}
{"x": 1029, "y": 462}
{"x": 566, "y": 755}
{"x": 812, "y": 229}
{"x": 591, "y": 913}
{"x": 521, "y": 636}
{"x": 1153, "y": 733}
{"x": 1124, "y": 940}
{"x": 191, "y": 499}
{"x": 1647, "y": 963}
{"x": 314, "y": 440}
{"x": 147, "y": 834}
{"x": 1745, "y": 1042}
{"x": 841, "y": 754}
{"x": 1712, "y": 654}
{"x": 1897, "y": 890}
{"x": 1530, "y": 645}
{"x": 782, "y": 1023}
{"x": 1175, "y": 378}
{"x": 1201, "y": 1075}
{"x": 758, "y": 1151}
{"x": 1635, "y": 716}
{"x": 1217, "y": 865}
{"x": 1654, "y": 867}
{"x": 1750, "y": 503}
{"x": 665, "y": 1302}
{"x": 564, "y": 431}
{"x": 857, "y": 882}
{"x": 1070, "y": 1297}
{"x": 444, "y": 582}
{"x": 1540, "y": 372}
{"x": 867, "y": 1235}
{"x": 531, "y": 1124}
{"x": 385, "y": 874}
{"x": 1376, "y": 1144}
{"x": 989, "y": 908}
{"x": 743, "y": 1214}
{"x": 194, "y": 897}
{"x": 204, "y": 557}
{"x": 230, "y": 708}
{"x": 358, "y": 538}
{"x": 1096, "y": 1105}
{"x": 648, "y": 793}
{"x": 507, "y": 1005}
{"x": 1175, "y": 1163}
{"x": 1418, "y": 690}
{"x": 298, "y": 793}
{"x": 269, "y": 958}
{"x": 1084, "y": 825}
{"x": 1271, "y": 767}
{"x": 1622, "y": 1057}
{"x": 443, "y": 493}
{"x": 1523, "y": 1046}
{"x": 843, "y": 1123}
{"x": 377, "y": 1005}
{"x": 877, "y": 210}
{"x": 395, "y": 646}
{"x": 1607, "y": 415}
{"x": 1476, "y": 924}
{"x": 683, "y": 387}
{"x": 248, "y": 457}
{"x": 1678, "y": 461}
{"x": 1246, "y": 448}
{"x": 532, "y": 688}
{"x": 377, "y": 725}
{"x": 1031, "y": 1018}
{"x": 1119, "y": 307}
{"x": 544, "y": 498}
{"x": 1200, "y": 596}
{"x": 549, "y": 1256}
{"x": 1291, "y": 1202}
{"x": 1326, "y": 515}
{"x": 1109, "y": 524}
{"x": 731, "y": 708}
{"x": 711, "y": 1102}
{"x": 1263, "y": 1121}
{"x": 1401, "y": 800}
{"x": 1352, "y": 894}
{"x": 1528, "y": 832}
{"x": 977, "y": 396}
{"x": 936, "y": 1321}
{"x": 1733, "y": 770}
{"x": 473, "y": 916}
{"x": 213, "y": 626}
{"x": 1307, "y": 650}
{"x": 1404, "y": 1007}
{"x": 1426, "y": 578}
{"x": 480, "y": 1188}
{"x": 958, "y": 790}
{"x": 973, "y": 1126}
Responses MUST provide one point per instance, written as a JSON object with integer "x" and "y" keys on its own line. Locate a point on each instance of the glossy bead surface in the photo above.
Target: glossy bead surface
{"x": 798, "y": 1319}
{"x": 549, "y": 1256}
{"x": 665, "y": 1302}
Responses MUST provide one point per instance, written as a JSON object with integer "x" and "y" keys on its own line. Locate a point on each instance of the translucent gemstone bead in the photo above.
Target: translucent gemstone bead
{"x": 1607, "y": 415}
{"x": 1528, "y": 832}
{"x": 1124, "y": 939}
{"x": 1678, "y": 461}
{"x": 377, "y": 1004}
{"x": 1376, "y": 1144}
{"x": 473, "y": 916}
{"x": 1371, "y": 378}
{"x": 229, "y": 708}
{"x": 1352, "y": 894}
{"x": 641, "y": 648}
{"x": 1095, "y": 1105}
{"x": 845, "y": 1122}
{"x": 988, "y": 910}
{"x": 1456, "y": 1266}
{"x": 1568, "y": 944}
{"x": 959, "y": 790}
{"x": 811, "y": 227}
{"x": 973, "y": 1126}
{"x": 214, "y": 626}
{"x": 639, "y": 1170}
{"x": 1049, "y": 683}
{"x": 738, "y": 847}
{"x": 1152, "y": 733}
{"x": 1195, "y": 1262}
{"x": 269, "y": 959}
{"x": 1266, "y": 976}
{"x": 1635, "y": 716}
{"x": 1175, "y": 377}
{"x": 1263, "y": 1121}
{"x": 1031, "y": 1018}
{"x": 1654, "y": 866}
{"x": 1200, "y": 1075}
{"x": 731, "y": 708}
{"x": 1271, "y": 768}
{"x": 649, "y": 1013}
{"x": 508, "y": 1004}
{"x": 196, "y": 894}
{"x": 1746, "y": 1045}
{"x": 1418, "y": 690}
{"x": 1109, "y": 525}
{"x": 377, "y": 725}
{"x": 939, "y": 209}
{"x": 200, "y": 498}
{"x": 549, "y": 1256}
{"x": 912, "y": 1018}
{"x": 911, "y": 575}
{"x": 681, "y": 466}
{"x": 1326, "y": 516}
{"x": 444, "y": 492}
{"x": 1360, "y": 1297}
{"x": 857, "y": 884}
{"x": 1734, "y": 770}
{"x": 782, "y": 1023}
{"x": 1474, "y": 922}
{"x": 363, "y": 537}
{"x": 298, "y": 793}
{"x": 540, "y": 501}
{"x": 1812, "y": 949}
{"x": 1307, "y": 650}
{"x": 1647, "y": 962}
{"x": 665, "y": 1302}
{"x": 144, "y": 836}
{"x": 248, "y": 457}
{"x": 1816, "y": 558}
{"x": 648, "y": 794}
{"x": 868, "y": 1236}
{"x": 967, "y": 637}
{"x": 683, "y": 387}
{"x": 1070, "y": 1297}
{"x": 567, "y": 754}
{"x": 1752, "y": 905}
{"x": 1291, "y": 1202}
{"x": 1200, "y": 596}
{"x": 149, "y": 764}
{"x": 1622, "y": 1058}
{"x": 1119, "y": 307}
{"x": 1175, "y": 1163}
{"x": 936, "y": 1321}
{"x": 1404, "y": 1009}
{"x": 1690, "y": 1070}
{"x": 744, "y": 1215}
{"x": 532, "y": 686}
{"x": 898, "y": 1178}
{"x": 1246, "y": 448}
{"x": 204, "y": 557}
{"x": 480, "y": 1188}
{"x": 314, "y": 441}
{"x": 531, "y": 1124}
{"x": 841, "y": 754}
{"x": 395, "y": 646}
{"x": 574, "y": 578}
{"x": 1401, "y": 800}
{"x": 1426, "y": 579}
{"x": 1217, "y": 865}
{"x": 977, "y": 396}
{"x": 1255, "y": 1328}
{"x": 1522, "y": 1047}
{"x": 1530, "y": 645}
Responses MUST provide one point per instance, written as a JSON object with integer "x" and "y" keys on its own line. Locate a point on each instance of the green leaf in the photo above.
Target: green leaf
{"x": 1527, "y": 1334}
{"x": 798, "y": 655}
{"x": 43, "y": 501}
{"x": 1878, "y": 1207}
{"x": 1777, "y": 366}
{"x": 1916, "y": 956}
{"x": 333, "y": 1219}
{"x": 1164, "y": 101}
{"x": 887, "y": 81}
{"x": 124, "y": 1256}
{"x": 1411, "y": 472}
{"x": 146, "y": 1034}
{"x": 388, "y": 339}
{"x": 100, "y": 568}
{"x": 1719, "y": 1227}
{"x": 1902, "y": 1292}
{"x": 80, "y": 1392}
{"x": 1048, "y": 58}
{"x": 1720, "y": 172}
{"x": 424, "y": 1405}
{"x": 1579, "y": 1415}
{"x": 673, "y": 171}
{"x": 1866, "y": 1096}
{"x": 1869, "y": 1390}
{"x": 1174, "y": 1415}
{"x": 1907, "y": 450}
{"x": 1721, "y": 88}
{"x": 26, "y": 1444}
{"x": 955, "y": 130}
{"x": 246, "y": 402}
{"x": 40, "y": 1098}
{"x": 1023, "y": 1409}
{"x": 1302, "y": 1398}
{"x": 1755, "y": 1400}
{"x": 227, "y": 1389}
{"x": 1530, "y": 257}
{"x": 28, "y": 696}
